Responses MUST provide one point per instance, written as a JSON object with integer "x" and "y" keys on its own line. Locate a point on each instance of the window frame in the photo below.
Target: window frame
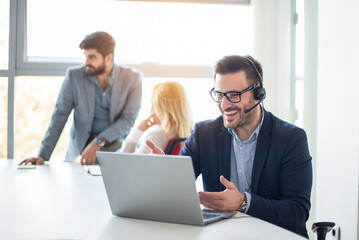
{"x": 57, "y": 66}
{"x": 233, "y": 2}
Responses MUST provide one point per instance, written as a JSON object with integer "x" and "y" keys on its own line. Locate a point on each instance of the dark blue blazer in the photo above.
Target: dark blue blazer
{"x": 282, "y": 169}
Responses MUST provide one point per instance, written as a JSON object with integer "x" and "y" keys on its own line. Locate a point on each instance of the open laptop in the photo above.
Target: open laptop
{"x": 154, "y": 187}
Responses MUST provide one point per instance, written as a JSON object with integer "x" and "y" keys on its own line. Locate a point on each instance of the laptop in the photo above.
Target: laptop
{"x": 154, "y": 187}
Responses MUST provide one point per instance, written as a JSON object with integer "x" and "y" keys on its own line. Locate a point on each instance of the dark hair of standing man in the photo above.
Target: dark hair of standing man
{"x": 103, "y": 42}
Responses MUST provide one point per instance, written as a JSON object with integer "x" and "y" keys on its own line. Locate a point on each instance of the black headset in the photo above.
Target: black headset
{"x": 259, "y": 93}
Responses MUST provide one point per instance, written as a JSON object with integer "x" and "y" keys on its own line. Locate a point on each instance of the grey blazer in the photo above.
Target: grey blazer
{"x": 78, "y": 93}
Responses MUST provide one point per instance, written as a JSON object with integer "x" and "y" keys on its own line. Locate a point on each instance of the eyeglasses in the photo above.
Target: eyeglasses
{"x": 232, "y": 96}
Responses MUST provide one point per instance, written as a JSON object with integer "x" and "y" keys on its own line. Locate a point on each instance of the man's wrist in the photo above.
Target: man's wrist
{"x": 100, "y": 141}
{"x": 41, "y": 158}
{"x": 243, "y": 205}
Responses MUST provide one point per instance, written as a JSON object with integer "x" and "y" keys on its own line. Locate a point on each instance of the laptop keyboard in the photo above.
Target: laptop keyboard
{"x": 207, "y": 215}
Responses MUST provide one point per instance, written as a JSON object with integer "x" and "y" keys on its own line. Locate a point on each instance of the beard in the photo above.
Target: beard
{"x": 241, "y": 119}
{"x": 92, "y": 71}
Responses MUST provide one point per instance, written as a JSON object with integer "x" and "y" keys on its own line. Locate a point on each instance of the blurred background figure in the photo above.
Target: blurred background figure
{"x": 170, "y": 114}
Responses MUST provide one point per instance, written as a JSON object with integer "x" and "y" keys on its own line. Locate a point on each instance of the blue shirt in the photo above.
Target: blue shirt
{"x": 242, "y": 157}
{"x": 101, "y": 119}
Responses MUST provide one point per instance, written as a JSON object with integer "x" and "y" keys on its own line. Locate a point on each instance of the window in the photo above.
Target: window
{"x": 4, "y": 35}
{"x": 3, "y": 117}
{"x": 165, "y": 40}
{"x": 148, "y": 34}
{"x": 34, "y": 102}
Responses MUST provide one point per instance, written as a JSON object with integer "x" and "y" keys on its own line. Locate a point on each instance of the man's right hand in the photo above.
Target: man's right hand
{"x": 154, "y": 148}
{"x": 33, "y": 161}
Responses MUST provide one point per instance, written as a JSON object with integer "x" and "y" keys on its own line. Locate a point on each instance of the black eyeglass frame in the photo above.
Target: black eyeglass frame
{"x": 231, "y": 92}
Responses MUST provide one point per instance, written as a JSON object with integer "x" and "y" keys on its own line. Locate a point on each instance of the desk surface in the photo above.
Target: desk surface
{"x": 62, "y": 201}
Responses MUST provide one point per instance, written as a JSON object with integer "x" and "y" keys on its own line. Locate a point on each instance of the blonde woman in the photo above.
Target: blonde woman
{"x": 171, "y": 116}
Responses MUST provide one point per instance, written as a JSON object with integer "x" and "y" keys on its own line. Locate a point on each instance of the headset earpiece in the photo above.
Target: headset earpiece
{"x": 259, "y": 93}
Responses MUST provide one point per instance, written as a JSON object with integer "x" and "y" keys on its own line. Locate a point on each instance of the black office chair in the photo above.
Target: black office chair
{"x": 173, "y": 147}
{"x": 322, "y": 228}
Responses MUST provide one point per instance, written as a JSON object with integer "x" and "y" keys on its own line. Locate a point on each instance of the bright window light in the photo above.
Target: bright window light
{"x": 4, "y": 35}
{"x": 145, "y": 32}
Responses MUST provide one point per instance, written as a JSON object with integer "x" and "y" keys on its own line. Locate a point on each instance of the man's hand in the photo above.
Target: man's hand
{"x": 154, "y": 148}
{"x": 88, "y": 156}
{"x": 33, "y": 161}
{"x": 227, "y": 200}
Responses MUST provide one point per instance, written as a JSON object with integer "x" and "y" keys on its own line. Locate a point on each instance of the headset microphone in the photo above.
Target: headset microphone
{"x": 259, "y": 93}
{"x": 248, "y": 110}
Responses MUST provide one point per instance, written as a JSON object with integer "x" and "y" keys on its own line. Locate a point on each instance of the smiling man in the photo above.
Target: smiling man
{"x": 250, "y": 160}
{"x": 105, "y": 97}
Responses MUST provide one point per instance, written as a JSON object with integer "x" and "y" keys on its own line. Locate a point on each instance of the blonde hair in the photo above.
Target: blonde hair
{"x": 172, "y": 108}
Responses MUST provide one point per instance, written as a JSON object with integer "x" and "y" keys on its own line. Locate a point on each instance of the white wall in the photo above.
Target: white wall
{"x": 310, "y": 83}
{"x": 272, "y": 47}
{"x": 338, "y": 115}
{"x": 330, "y": 118}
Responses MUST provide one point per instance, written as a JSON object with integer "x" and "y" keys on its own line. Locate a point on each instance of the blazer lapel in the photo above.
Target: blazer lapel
{"x": 224, "y": 155}
{"x": 90, "y": 96}
{"x": 117, "y": 92}
{"x": 262, "y": 149}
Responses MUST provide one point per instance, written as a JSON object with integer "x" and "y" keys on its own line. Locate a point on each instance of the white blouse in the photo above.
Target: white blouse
{"x": 157, "y": 136}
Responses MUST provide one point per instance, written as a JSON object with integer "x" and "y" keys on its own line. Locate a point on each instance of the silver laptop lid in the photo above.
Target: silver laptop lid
{"x": 152, "y": 187}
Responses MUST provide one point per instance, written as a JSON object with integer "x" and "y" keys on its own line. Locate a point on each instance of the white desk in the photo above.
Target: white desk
{"x": 61, "y": 201}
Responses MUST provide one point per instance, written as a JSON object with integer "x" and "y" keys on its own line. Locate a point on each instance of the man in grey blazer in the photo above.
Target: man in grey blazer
{"x": 105, "y": 97}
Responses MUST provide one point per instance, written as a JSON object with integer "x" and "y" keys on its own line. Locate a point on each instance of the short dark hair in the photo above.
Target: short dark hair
{"x": 103, "y": 42}
{"x": 235, "y": 63}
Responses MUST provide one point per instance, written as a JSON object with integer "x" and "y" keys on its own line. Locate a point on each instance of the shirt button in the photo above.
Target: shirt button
{"x": 240, "y": 171}
{"x": 241, "y": 147}
{"x": 103, "y": 94}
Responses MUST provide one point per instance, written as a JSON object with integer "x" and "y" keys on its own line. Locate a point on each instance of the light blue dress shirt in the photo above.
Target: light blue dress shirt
{"x": 101, "y": 119}
{"x": 242, "y": 157}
